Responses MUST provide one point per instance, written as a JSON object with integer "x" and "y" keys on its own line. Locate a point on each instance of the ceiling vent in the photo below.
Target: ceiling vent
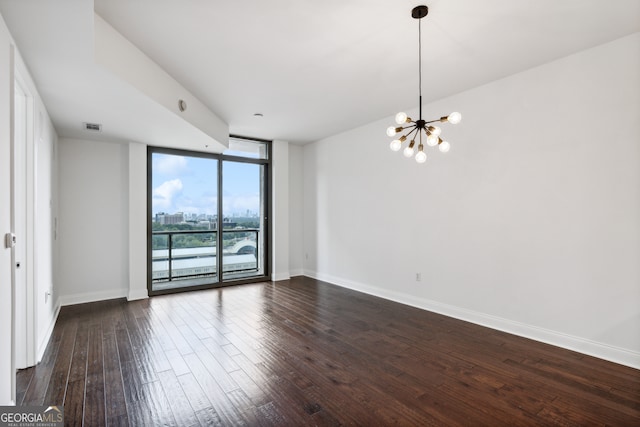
{"x": 93, "y": 127}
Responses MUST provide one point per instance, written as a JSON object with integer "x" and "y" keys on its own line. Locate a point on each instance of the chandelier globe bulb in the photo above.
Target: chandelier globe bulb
{"x": 432, "y": 140}
{"x": 401, "y": 118}
{"x": 454, "y": 118}
{"x": 408, "y": 151}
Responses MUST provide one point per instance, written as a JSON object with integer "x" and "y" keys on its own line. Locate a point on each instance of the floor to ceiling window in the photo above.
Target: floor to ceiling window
{"x": 208, "y": 222}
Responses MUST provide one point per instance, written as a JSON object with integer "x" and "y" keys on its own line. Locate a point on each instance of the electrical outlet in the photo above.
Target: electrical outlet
{"x": 418, "y": 277}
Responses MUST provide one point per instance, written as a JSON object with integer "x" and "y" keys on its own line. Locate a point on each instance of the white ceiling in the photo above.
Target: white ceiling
{"x": 312, "y": 68}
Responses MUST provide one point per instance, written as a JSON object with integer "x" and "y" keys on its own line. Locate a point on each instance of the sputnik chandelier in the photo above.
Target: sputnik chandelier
{"x": 415, "y": 128}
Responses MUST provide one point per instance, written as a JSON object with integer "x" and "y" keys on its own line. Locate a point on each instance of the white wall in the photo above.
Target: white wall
{"x": 7, "y": 375}
{"x": 137, "y": 181}
{"x": 296, "y": 208}
{"x": 93, "y": 228}
{"x": 280, "y": 211}
{"x": 531, "y": 224}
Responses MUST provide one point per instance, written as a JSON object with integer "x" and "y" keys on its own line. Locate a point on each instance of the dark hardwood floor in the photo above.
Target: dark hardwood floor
{"x": 304, "y": 352}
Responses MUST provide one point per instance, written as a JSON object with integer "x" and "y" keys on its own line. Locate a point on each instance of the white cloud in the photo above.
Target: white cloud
{"x": 164, "y": 194}
{"x": 169, "y": 164}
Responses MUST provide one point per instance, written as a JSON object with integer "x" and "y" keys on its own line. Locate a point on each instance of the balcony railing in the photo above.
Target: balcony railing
{"x": 188, "y": 254}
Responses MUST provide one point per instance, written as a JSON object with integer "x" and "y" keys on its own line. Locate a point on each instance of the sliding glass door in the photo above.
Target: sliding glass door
{"x": 243, "y": 223}
{"x": 184, "y": 212}
{"x": 207, "y": 217}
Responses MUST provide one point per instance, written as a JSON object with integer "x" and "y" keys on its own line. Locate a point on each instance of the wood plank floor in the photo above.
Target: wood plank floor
{"x": 304, "y": 352}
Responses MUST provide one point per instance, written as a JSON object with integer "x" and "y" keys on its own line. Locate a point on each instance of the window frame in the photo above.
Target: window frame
{"x": 221, "y": 158}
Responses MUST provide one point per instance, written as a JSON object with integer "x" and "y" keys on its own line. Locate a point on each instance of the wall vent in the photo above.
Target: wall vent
{"x": 93, "y": 127}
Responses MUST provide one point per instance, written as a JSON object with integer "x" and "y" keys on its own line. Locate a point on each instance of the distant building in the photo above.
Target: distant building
{"x": 228, "y": 223}
{"x": 164, "y": 218}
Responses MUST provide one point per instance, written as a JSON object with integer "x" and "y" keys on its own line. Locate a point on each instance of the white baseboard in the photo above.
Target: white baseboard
{"x": 92, "y": 296}
{"x": 275, "y": 277}
{"x": 137, "y": 294}
{"x": 42, "y": 345}
{"x": 9, "y": 403}
{"x": 559, "y": 339}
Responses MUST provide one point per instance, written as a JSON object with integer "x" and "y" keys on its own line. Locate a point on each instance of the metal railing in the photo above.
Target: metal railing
{"x": 185, "y": 254}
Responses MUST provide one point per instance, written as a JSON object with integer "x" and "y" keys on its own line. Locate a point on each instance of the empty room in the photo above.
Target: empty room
{"x": 291, "y": 213}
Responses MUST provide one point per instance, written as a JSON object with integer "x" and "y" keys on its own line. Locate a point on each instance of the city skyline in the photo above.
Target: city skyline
{"x": 189, "y": 185}
{"x": 205, "y": 216}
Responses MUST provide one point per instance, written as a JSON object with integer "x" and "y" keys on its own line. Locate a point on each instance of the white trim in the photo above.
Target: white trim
{"x": 10, "y": 403}
{"x": 559, "y": 339}
{"x": 12, "y": 209}
{"x": 42, "y": 346}
{"x": 91, "y": 297}
{"x": 276, "y": 277}
{"x": 135, "y": 294}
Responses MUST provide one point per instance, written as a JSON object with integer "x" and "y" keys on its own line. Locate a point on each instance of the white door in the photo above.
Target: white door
{"x": 21, "y": 192}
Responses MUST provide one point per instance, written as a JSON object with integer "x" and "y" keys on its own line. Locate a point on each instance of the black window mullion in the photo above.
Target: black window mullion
{"x": 219, "y": 226}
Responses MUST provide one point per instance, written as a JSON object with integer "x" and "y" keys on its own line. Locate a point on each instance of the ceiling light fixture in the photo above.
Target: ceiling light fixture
{"x": 418, "y": 127}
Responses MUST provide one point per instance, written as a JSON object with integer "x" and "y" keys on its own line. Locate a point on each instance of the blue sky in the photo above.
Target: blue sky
{"x": 189, "y": 185}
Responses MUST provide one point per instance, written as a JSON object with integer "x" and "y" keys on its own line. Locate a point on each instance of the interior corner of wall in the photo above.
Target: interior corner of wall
{"x": 276, "y": 277}
{"x": 136, "y": 294}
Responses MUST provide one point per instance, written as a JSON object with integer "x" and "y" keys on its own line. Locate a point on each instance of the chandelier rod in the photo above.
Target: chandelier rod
{"x": 420, "y": 64}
